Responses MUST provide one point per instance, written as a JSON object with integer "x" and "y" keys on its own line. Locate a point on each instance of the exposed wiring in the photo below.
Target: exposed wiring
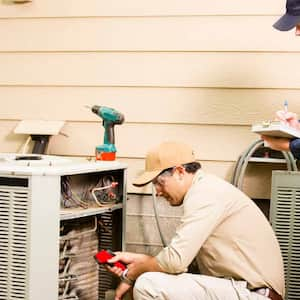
{"x": 69, "y": 195}
{"x": 101, "y": 192}
{"x": 106, "y": 195}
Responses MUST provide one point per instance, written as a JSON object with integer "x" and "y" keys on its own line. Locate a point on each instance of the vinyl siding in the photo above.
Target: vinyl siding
{"x": 195, "y": 71}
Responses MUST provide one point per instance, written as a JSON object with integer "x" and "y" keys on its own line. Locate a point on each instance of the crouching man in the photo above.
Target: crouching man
{"x": 232, "y": 241}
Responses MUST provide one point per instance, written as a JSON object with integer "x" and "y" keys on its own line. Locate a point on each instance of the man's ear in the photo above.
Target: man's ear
{"x": 180, "y": 170}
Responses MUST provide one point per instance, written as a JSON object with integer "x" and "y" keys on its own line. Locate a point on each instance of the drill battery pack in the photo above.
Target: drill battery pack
{"x": 105, "y": 152}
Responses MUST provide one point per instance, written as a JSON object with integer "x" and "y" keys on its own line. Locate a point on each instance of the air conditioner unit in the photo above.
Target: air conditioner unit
{"x": 285, "y": 220}
{"x": 45, "y": 237}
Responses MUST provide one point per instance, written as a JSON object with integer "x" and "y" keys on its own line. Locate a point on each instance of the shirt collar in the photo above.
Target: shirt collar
{"x": 198, "y": 176}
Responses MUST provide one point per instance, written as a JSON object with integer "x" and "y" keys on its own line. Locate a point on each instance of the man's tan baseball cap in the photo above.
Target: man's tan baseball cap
{"x": 164, "y": 156}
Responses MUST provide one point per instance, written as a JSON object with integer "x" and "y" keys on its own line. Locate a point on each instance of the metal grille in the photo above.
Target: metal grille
{"x": 285, "y": 219}
{"x": 105, "y": 242}
{"x": 13, "y": 242}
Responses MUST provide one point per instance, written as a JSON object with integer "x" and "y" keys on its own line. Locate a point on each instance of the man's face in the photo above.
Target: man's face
{"x": 170, "y": 186}
{"x": 297, "y": 31}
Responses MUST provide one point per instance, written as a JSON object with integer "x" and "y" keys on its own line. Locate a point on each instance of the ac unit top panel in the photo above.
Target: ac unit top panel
{"x": 287, "y": 179}
{"x": 33, "y": 164}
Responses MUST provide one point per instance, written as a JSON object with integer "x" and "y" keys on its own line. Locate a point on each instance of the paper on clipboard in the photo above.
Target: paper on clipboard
{"x": 276, "y": 129}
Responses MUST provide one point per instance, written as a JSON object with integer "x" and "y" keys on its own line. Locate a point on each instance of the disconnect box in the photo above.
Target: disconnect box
{"x": 55, "y": 215}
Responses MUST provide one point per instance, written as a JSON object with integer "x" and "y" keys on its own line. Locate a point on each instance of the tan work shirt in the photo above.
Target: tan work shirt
{"x": 227, "y": 234}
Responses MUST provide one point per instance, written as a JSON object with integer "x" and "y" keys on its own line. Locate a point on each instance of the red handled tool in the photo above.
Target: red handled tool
{"x": 104, "y": 255}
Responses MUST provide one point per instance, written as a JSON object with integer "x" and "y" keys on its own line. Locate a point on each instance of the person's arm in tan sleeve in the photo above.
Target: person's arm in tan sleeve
{"x": 197, "y": 225}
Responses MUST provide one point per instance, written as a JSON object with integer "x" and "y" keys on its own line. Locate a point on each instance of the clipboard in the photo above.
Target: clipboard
{"x": 276, "y": 129}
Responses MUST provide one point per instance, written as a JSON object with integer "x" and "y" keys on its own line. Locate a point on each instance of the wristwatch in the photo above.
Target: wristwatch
{"x": 124, "y": 278}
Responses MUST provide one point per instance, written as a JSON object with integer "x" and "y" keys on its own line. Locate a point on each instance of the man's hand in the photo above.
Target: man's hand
{"x": 280, "y": 144}
{"x": 288, "y": 118}
{"x": 121, "y": 290}
{"x": 137, "y": 264}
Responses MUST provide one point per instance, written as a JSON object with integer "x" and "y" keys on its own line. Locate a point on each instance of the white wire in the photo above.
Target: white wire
{"x": 99, "y": 189}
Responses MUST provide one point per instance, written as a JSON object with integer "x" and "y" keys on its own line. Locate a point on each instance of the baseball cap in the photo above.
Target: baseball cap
{"x": 291, "y": 18}
{"x": 164, "y": 156}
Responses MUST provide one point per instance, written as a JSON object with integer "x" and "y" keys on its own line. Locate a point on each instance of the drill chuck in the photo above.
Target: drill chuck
{"x": 108, "y": 114}
{"x": 95, "y": 109}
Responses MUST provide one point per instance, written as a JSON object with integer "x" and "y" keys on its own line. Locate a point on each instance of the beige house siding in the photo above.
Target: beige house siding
{"x": 196, "y": 71}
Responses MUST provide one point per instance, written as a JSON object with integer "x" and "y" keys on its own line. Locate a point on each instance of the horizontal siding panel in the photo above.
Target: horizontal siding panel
{"x": 133, "y": 140}
{"x": 145, "y": 34}
{"x": 150, "y": 105}
{"x": 143, "y": 229}
{"x": 257, "y": 70}
{"x": 10, "y": 142}
{"x": 142, "y": 205}
{"x": 63, "y": 8}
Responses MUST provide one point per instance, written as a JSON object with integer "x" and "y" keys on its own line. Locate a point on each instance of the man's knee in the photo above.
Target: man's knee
{"x": 147, "y": 286}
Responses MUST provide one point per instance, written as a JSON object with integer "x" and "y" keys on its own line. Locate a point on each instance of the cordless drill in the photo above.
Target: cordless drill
{"x": 110, "y": 118}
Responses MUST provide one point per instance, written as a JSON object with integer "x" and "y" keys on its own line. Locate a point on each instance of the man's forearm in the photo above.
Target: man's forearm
{"x": 143, "y": 263}
{"x": 280, "y": 144}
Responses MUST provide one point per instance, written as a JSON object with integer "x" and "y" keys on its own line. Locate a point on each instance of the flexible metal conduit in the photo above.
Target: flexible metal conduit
{"x": 242, "y": 163}
{"x": 154, "y": 199}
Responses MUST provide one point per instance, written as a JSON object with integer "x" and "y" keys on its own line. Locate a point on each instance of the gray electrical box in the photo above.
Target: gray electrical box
{"x": 285, "y": 220}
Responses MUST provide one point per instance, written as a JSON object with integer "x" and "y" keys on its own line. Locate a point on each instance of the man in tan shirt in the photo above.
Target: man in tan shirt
{"x": 221, "y": 228}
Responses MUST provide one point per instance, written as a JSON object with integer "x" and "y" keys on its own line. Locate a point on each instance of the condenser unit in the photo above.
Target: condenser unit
{"x": 285, "y": 220}
{"x": 55, "y": 214}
